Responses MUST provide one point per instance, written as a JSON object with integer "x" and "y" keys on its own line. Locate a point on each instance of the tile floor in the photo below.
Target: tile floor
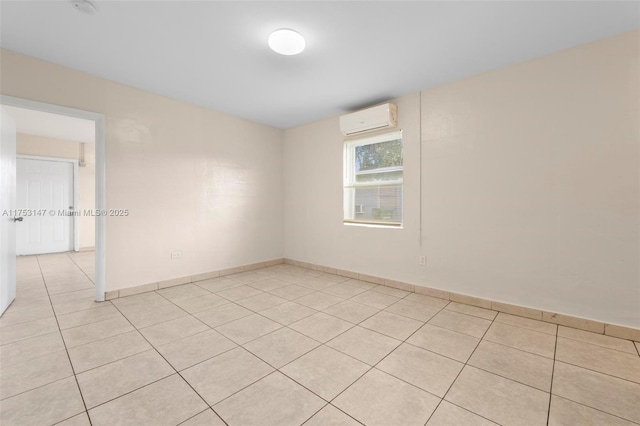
{"x": 289, "y": 346}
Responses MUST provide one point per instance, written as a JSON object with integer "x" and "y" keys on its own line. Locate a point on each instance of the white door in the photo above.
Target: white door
{"x": 45, "y": 189}
{"x": 7, "y": 204}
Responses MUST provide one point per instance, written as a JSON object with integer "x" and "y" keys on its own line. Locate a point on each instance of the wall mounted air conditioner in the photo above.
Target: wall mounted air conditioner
{"x": 376, "y": 118}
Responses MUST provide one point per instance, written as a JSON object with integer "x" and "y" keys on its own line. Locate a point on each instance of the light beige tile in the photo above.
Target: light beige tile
{"x": 523, "y": 367}
{"x": 319, "y": 301}
{"x": 248, "y": 328}
{"x": 434, "y": 302}
{"x": 637, "y": 344}
{"x": 288, "y": 313}
{"x": 604, "y": 360}
{"x": 191, "y": 350}
{"x": 18, "y": 317}
{"x": 27, "y": 349}
{"x": 371, "y": 279}
{"x": 597, "y": 339}
{"x": 107, "y": 350}
{"x": 444, "y": 342}
{"x": 621, "y": 332}
{"x": 174, "y": 282}
{"x": 248, "y": 276}
{"x": 237, "y": 293}
{"x": 88, "y": 316}
{"x": 143, "y": 316}
{"x": 204, "y": 276}
{"x": 45, "y": 405}
{"x": 184, "y": 291}
{"x": 520, "y": 311}
{"x": 321, "y": 327}
{"x": 345, "y": 290}
{"x": 331, "y": 416}
{"x": 575, "y": 322}
{"x": 262, "y": 402}
{"x": 600, "y": 391}
{"x": 34, "y": 373}
{"x": 568, "y": 413}
{"x": 167, "y": 332}
{"x": 325, "y": 371}
{"x": 347, "y": 274}
{"x": 498, "y": 399}
{"x": 432, "y": 292}
{"x": 351, "y": 311}
{"x": 375, "y": 299}
{"x": 429, "y": 371}
{"x": 448, "y": 414}
{"x": 200, "y": 303}
{"x": 112, "y": 380}
{"x": 261, "y": 302}
{"x": 281, "y": 347}
{"x": 218, "y": 284}
{"x": 76, "y": 305}
{"x": 470, "y": 300}
{"x": 27, "y": 330}
{"x": 217, "y": 378}
{"x": 391, "y": 291}
{"x": 130, "y": 291}
{"x": 292, "y": 291}
{"x": 414, "y": 310}
{"x": 166, "y": 402}
{"x": 223, "y": 314}
{"x": 462, "y": 323}
{"x": 268, "y": 284}
{"x": 81, "y": 419}
{"x": 475, "y": 311}
{"x": 392, "y": 325}
{"x": 206, "y": 418}
{"x": 400, "y": 285}
{"x": 315, "y": 283}
{"x": 364, "y": 345}
{"x": 95, "y": 331}
{"x": 521, "y": 338}
{"x": 380, "y": 399}
{"x": 535, "y": 325}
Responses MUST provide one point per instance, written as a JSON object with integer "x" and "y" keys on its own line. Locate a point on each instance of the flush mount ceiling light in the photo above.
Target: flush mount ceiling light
{"x": 84, "y": 6}
{"x": 286, "y": 42}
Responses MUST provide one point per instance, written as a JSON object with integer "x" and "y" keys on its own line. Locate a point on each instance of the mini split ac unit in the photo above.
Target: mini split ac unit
{"x": 376, "y": 118}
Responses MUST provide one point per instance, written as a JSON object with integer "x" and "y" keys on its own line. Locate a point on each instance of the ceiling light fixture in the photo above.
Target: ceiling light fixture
{"x": 84, "y": 6}
{"x": 286, "y": 42}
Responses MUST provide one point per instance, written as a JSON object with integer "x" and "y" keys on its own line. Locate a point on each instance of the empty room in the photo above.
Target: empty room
{"x": 274, "y": 213}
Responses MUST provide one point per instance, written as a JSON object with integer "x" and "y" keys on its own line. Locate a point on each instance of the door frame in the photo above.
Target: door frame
{"x": 76, "y": 187}
{"x": 101, "y": 220}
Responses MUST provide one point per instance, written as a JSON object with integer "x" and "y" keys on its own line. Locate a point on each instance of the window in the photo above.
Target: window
{"x": 373, "y": 180}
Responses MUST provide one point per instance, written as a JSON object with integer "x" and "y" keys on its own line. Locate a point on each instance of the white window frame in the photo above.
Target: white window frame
{"x": 349, "y": 181}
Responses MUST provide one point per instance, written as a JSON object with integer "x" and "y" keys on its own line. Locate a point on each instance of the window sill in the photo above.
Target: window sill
{"x": 373, "y": 224}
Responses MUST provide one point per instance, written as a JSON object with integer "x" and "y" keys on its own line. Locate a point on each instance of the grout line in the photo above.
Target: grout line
{"x": 555, "y": 351}
{"x": 73, "y": 370}
{"x": 461, "y": 370}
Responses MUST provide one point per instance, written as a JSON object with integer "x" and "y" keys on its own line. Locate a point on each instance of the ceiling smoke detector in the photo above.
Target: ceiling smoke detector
{"x": 84, "y": 6}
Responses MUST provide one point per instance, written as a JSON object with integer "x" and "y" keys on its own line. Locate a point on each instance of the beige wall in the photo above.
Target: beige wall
{"x": 50, "y": 147}
{"x": 194, "y": 179}
{"x": 529, "y": 191}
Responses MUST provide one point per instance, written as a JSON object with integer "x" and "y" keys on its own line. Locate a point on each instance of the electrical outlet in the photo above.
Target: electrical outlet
{"x": 176, "y": 254}
{"x": 423, "y": 260}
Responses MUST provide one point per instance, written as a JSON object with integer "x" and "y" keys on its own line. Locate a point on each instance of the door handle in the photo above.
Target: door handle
{"x": 18, "y": 219}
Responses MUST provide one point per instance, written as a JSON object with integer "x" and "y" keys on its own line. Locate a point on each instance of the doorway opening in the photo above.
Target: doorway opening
{"x": 59, "y": 172}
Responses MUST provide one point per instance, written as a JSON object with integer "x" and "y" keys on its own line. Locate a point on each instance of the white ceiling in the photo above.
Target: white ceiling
{"x": 215, "y": 54}
{"x": 49, "y": 125}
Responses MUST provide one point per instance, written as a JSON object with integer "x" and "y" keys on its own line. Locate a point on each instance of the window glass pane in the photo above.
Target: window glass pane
{"x": 378, "y": 155}
{"x": 380, "y": 176}
{"x": 377, "y": 203}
